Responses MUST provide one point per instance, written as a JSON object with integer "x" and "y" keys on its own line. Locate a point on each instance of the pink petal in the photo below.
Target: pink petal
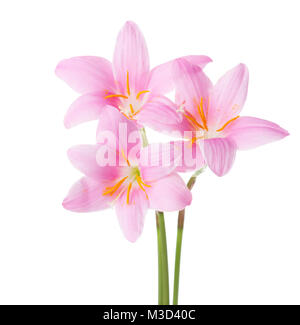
{"x": 158, "y": 160}
{"x": 131, "y": 55}
{"x": 83, "y": 157}
{"x": 86, "y": 196}
{"x": 199, "y": 60}
{"x": 251, "y": 132}
{"x": 85, "y": 108}
{"x": 183, "y": 129}
{"x": 219, "y": 154}
{"x": 131, "y": 216}
{"x": 161, "y": 77}
{"x": 229, "y": 95}
{"x": 118, "y": 132}
{"x": 86, "y": 74}
{"x": 159, "y": 113}
{"x": 191, "y": 156}
{"x": 191, "y": 85}
{"x": 169, "y": 194}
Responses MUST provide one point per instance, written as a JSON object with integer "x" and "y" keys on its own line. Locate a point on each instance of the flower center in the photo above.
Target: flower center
{"x": 200, "y": 125}
{"x": 126, "y": 183}
{"x": 131, "y": 103}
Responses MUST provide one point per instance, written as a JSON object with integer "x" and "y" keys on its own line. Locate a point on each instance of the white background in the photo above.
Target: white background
{"x": 241, "y": 241}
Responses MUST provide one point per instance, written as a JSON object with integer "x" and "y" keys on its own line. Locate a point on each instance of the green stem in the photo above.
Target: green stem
{"x": 163, "y": 271}
{"x": 144, "y": 137}
{"x": 163, "y": 259}
{"x": 177, "y": 264}
{"x": 181, "y": 215}
{"x": 160, "y": 289}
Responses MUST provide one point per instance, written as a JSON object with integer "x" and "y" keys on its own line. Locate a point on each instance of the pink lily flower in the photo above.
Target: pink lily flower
{"x": 211, "y": 115}
{"x": 131, "y": 185}
{"x": 127, "y": 83}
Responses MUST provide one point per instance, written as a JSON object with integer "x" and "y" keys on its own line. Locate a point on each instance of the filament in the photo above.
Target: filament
{"x": 141, "y": 92}
{"x": 113, "y": 189}
{"x": 128, "y": 88}
{"x": 116, "y": 95}
{"x": 224, "y": 126}
{"x": 128, "y": 192}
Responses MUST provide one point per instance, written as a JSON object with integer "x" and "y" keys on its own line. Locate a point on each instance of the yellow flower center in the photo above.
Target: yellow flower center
{"x": 199, "y": 122}
{"x": 126, "y": 183}
{"x": 131, "y": 103}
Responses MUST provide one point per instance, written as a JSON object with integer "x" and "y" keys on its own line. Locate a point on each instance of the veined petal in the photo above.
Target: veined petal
{"x": 158, "y": 160}
{"x": 199, "y": 60}
{"x": 229, "y": 95}
{"x": 183, "y": 129}
{"x": 192, "y": 86}
{"x": 161, "y": 77}
{"x": 169, "y": 194}
{"x": 219, "y": 154}
{"x": 86, "y": 74}
{"x": 86, "y": 196}
{"x": 159, "y": 112}
{"x": 131, "y": 56}
{"x": 83, "y": 157}
{"x": 131, "y": 216}
{"x": 118, "y": 133}
{"x": 250, "y": 132}
{"x": 85, "y": 108}
{"x": 191, "y": 156}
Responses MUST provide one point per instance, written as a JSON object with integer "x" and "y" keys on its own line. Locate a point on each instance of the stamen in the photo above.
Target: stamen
{"x": 194, "y": 140}
{"x": 128, "y": 88}
{"x": 140, "y": 185}
{"x": 128, "y": 117}
{"x": 192, "y": 120}
{"x": 125, "y": 158}
{"x": 136, "y": 112}
{"x": 142, "y": 92}
{"x": 201, "y": 113}
{"x": 128, "y": 192}
{"x": 113, "y": 189}
{"x": 140, "y": 180}
{"x": 191, "y": 142}
{"x": 224, "y": 126}
{"x": 131, "y": 108}
{"x": 116, "y": 95}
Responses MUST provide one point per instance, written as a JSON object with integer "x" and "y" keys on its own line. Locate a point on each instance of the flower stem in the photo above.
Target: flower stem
{"x": 163, "y": 270}
{"x": 163, "y": 281}
{"x": 181, "y": 215}
{"x": 160, "y": 289}
{"x": 144, "y": 137}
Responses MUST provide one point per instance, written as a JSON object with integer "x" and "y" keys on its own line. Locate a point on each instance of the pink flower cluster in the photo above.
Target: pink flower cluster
{"x": 125, "y": 96}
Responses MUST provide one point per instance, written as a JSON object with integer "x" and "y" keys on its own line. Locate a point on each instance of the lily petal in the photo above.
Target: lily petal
{"x": 131, "y": 216}
{"x": 85, "y": 108}
{"x": 219, "y": 154}
{"x": 250, "y": 132}
{"x": 169, "y": 194}
{"x": 191, "y": 156}
{"x": 131, "y": 56}
{"x": 159, "y": 112}
{"x": 158, "y": 160}
{"x": 229, "y": 95}
{"x": 122, "y": 134}
{"x": 86, "y": 74}
{"x": 83, "y": 157}
{"x": 161, "y": 77}
{"x": 86, "y": 196}
{"x": 191, "y": 86}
